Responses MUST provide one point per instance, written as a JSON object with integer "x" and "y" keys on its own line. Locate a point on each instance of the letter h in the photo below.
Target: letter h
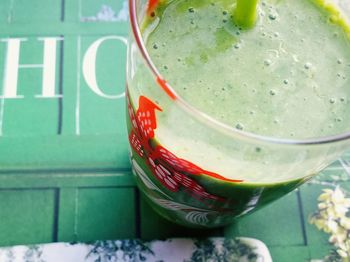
{"x": 12, "y": 67}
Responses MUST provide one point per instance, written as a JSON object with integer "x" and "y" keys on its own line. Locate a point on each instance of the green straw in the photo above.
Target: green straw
{"x": 245, "y": 14}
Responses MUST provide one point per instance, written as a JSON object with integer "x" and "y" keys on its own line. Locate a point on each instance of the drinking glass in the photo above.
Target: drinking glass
{"x": 195, "y": 170}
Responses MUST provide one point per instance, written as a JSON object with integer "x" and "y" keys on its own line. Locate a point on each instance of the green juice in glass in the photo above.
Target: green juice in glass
{"x": 287, "y": 77}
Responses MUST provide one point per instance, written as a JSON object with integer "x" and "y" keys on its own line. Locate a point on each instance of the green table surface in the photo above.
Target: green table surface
{"x": 64, "y": 168}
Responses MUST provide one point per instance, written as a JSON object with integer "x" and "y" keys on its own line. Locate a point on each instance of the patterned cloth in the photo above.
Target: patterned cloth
{"x": 171, "y": 250}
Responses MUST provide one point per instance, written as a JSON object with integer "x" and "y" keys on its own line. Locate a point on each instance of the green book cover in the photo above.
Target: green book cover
{"x": 62, "y": 65}
{"x": 64, "y": 164}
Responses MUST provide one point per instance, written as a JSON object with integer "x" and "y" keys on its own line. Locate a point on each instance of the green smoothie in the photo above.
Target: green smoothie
{"x": 287, "y": 77}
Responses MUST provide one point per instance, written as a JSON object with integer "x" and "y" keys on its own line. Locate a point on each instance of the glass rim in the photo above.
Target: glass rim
{"x": 205, "y": 118}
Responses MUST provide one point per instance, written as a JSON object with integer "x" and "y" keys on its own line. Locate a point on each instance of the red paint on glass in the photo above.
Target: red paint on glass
{"x": 152, "y": 5}
{"x": 173, "y": 172}
{"x": 164, "y": 85}
{"x": 135, "y": 143}
{"x": 146, "y": 117}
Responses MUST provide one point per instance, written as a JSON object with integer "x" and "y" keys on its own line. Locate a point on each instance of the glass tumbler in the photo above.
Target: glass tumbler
{"x": 195, "y": 170}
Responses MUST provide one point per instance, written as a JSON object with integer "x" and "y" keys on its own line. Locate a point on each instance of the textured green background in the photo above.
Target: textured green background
{"x": 67, "y": 178}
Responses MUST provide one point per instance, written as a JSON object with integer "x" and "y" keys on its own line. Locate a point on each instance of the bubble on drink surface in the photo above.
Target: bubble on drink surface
{"x": 286, "y": 81}
{"x": 307, "y": 65}
{"x": 224, "y": 12}
{"x": 342, "y": 99}
{"x": 239, "y": 126}
{"x": 238, "y": 32}
{"x": 165, "y": 67}
{"x": 272, "y": 92}
{"x": 332, "y": 100}
{"x": 273, "y": 16}
{"x": 258, "y": 149}
{"x": 339, "y": 119}
{"x": 237, "y": 46}
{"x": 339, "y": 61}
{"x": 267, "y": 62}
{"x": 155, "y": 46}
{"x": 276, "y": 34}
{"x": 191, "y": 10}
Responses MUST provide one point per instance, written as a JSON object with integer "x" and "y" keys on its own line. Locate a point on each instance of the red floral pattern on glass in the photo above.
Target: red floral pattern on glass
{"x": 171, "y": 171}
